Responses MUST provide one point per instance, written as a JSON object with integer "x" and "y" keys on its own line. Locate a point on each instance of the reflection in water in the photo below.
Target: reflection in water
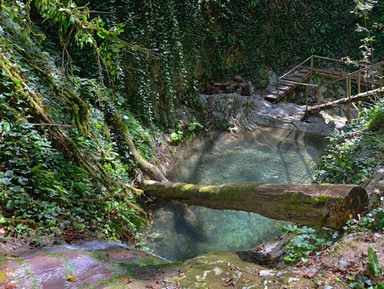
{"x": 268, "y": 155}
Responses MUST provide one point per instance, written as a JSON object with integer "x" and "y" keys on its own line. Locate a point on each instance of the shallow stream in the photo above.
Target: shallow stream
{"x": 266, "y": 155}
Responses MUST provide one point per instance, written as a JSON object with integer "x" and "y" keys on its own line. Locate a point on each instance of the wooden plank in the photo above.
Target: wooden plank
{"x": 331, "y": 73}
{"x": 296, "y": 78}
{"x": 270, "y": 97}
{"x": 301, "y": 73}
{"x": 290, "y": 83}
{"x": 285, "y": 87}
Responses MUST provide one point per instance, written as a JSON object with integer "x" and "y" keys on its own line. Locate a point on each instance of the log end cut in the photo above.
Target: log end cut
{"x": 356, "y": 201}
{"x": 338, "y": 212}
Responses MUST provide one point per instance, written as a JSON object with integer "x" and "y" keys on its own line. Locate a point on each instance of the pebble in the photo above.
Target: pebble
{"x": 343, "y": 263}
{"x": 266, "y": 273}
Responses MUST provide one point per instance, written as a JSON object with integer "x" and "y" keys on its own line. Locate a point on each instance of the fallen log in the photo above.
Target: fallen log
{"x": 323, "y": 205}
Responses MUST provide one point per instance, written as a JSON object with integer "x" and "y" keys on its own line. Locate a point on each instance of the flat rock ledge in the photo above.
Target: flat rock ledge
{"x": 248, "y": 112}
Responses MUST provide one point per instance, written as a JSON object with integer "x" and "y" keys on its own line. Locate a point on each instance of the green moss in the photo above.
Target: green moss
{"x": 115, "y": 280}
{"x": 87, "y": 286}
{"x": 21, "y": 261}
{"x": 295, "y": 198}
{"x": 54, "y": 255}
{"x": 99, "y": 256}
{"x": 323, "y": 199}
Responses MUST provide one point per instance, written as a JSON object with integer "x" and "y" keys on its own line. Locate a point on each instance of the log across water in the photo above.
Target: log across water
{"x": 324, "y": 205}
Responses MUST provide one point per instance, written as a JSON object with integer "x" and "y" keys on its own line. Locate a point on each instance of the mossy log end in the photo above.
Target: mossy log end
{"x": 323, "y": 205}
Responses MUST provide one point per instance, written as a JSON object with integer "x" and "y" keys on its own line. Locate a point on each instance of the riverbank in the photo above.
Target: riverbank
{"x": 100, "y": 264}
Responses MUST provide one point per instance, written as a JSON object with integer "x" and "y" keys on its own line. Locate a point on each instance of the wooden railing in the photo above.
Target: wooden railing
{"x": 316, "y": 64}
{"x": 346, "y": 78}
{"x": 360, "y": 82}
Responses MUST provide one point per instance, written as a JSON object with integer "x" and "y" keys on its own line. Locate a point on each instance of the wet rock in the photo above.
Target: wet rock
{"x": 292, "y": 109}
{"x": 262, "y": 106}
{"x": 250, "y": 126}
{"x": 279, "y": 112}
{"x": 14, "y": 247}
{"x": 239, "y": 111}
{"x": 90, "y": 264}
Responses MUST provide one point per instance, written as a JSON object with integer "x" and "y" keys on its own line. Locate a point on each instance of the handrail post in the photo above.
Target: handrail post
{"x": 278, "y": 89}
{"x": 312, "y": 65}
{"x": 358, "y": 82}
{"x": 381, "y": 75}
{"x": 318, "y": 95}
{"x": 349, "y": 92}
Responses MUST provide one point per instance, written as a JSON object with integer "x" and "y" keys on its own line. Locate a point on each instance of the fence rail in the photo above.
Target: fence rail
{"x": 346, "y": 80}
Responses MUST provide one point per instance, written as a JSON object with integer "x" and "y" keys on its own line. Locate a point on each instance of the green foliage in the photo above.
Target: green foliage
{"x": 303, "y": 242}
{"x": 191, "y": 43}
{"x": 353, "y": 154}
{"x": 373, "y": 264}
{"x": 186, "y": 132}
{"x": 36, "y": 181}
{"x": 60, "y": 170}
{"x": 76, "y": 25}
{"x": 372, "y": 279}
{"x": 376, "y": 118}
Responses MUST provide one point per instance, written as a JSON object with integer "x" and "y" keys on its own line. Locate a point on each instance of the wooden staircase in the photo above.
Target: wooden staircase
{"x": 358, "y": 85}
{"x": 300, "y": 74}
{"x": 289, "y": 84}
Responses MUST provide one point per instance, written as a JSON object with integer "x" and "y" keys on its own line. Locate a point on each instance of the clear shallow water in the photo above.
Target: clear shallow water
{"x": 267, "y": 155}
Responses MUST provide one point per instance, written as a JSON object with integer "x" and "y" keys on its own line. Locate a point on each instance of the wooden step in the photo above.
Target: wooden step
{"x": 285, "y": 87}
{"x": 295, "y": 78}
{"x": 274, "y": 96}
{"x": 305, "y": 69}
{"x": 300, "y": 74}
{"x": 281, "y": 92}
{"x": 270, "y": 97}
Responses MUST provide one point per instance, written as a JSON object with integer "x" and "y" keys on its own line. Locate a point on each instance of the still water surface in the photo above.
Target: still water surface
{"x": 267, "y": 155}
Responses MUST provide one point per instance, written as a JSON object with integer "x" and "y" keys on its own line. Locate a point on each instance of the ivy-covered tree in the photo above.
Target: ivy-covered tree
{"x": 60, "y": 169}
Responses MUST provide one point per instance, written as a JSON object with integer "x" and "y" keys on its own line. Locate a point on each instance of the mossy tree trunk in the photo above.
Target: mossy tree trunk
{"x": 146, "y": 167}
{"x": 324, "y": 205}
